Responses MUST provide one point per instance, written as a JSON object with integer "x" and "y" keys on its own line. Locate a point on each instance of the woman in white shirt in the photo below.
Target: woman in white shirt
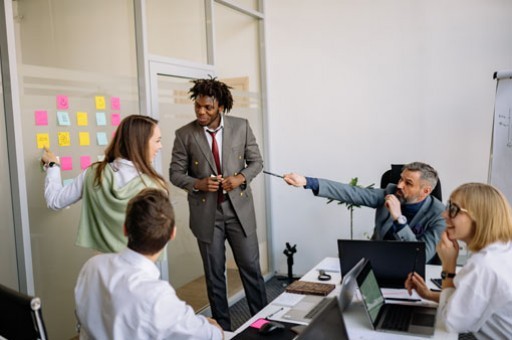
{"x": 106, "y": 186}
{"x": 478, "y": 298}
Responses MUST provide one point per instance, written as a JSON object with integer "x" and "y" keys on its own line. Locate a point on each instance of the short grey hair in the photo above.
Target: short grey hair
{"x": 428, "y": 173}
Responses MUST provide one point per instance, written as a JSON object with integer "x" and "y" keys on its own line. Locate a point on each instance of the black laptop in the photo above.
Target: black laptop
{"x": 393, "y": 317}
{"x": 328, "y": 324}
{"x": 392, "y": 261}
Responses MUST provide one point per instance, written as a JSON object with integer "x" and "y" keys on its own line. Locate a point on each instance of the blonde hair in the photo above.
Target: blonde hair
{"x": 490, "y": 212}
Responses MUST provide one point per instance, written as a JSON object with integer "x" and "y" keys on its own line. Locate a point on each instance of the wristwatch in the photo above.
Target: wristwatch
{"x": 401, "y": 220}
{"x": 445, "y": 275}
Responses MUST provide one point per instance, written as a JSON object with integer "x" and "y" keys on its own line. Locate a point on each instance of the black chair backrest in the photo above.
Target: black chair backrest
{"x": 393, "y": 176}
{"x": 20, "y": 317}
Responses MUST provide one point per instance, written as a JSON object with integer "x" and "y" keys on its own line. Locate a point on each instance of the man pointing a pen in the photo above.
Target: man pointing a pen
{"x": 405, "y": 211}
{"x": 214, "y": 159}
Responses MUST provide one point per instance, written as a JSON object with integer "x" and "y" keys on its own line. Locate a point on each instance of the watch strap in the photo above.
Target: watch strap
{"x": 446, "y": 275}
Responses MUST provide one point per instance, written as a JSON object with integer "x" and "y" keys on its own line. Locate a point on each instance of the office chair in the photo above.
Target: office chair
{"x": 393, "y": 176}
{"x": 20, "y": 317}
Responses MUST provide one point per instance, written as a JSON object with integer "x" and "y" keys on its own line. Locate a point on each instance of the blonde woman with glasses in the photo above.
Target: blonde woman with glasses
{"x": 478, "y": 298}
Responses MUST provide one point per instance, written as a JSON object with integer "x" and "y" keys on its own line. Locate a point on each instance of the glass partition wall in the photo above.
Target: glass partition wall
{"x": 80, "y": 65}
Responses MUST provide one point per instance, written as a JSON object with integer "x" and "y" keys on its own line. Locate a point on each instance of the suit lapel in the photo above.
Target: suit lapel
{"x": 202, "y": 142}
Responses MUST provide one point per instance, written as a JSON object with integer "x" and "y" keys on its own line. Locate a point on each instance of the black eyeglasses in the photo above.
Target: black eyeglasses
{"x": 453, "y": 209}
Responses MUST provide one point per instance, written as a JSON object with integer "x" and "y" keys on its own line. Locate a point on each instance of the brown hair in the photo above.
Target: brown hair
{"x": 490, "y": 212}
{"x": 131, "y": 142}
{"x": 149, "y": 221}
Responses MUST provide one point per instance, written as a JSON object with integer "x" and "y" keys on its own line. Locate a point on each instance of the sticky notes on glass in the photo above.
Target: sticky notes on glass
{"x": 101, "y": 138}
{"x": 85, "y": 161}
{"x": 81, "y": 119}
{"x": 63, "y": 118}
{"x": 100, "y": 102}
{"x": 67, "y": 181}
{"x": 62, "y": 102}
{"x": 41, "y": 117}
{"x": 115, "y": 119}
{"x": 66, "y": 163}
{"x": 101, "y": 158}
{"x": 84, "y": 139}
{"x": 64, "y": 138}
{"x": 101, "y": 119}
{"x": 43, "y": 139}
{"x": 115, "y": 103}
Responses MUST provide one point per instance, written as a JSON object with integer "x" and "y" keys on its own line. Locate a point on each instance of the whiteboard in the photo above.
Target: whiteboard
{"x": 500, "y": 167}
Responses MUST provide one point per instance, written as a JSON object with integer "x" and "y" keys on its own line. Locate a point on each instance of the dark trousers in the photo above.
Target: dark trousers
{"x": 246, "y": 253}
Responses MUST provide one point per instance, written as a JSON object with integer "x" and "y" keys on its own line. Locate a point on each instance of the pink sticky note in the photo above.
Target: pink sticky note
{"x": 115, "y": 119}
{"x": 62, "y": 102}
{"x": 115, "y": 103}
{"x": 66, "y": 163}
{"x": 85, "y": 161}
{"x": 258, "y": 323}
{"x": 41, "y": 117}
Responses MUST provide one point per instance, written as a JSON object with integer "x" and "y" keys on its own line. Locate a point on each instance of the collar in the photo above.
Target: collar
{"x": 139, "y": 261}
{"x": 221, "y": 125}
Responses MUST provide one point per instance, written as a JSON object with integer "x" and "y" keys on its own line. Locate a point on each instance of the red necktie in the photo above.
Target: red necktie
{"x": 216, "y": 157}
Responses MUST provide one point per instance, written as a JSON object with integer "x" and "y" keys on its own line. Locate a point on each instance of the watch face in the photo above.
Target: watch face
{"x": 402, "y": 219}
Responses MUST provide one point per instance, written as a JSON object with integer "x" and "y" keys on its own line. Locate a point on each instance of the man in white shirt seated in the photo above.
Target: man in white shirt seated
{"x": 120, "y": 296}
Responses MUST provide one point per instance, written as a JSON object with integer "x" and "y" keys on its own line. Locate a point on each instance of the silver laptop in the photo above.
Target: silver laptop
{"x": 391, "y": 317}
{"x": 311, "y": 305}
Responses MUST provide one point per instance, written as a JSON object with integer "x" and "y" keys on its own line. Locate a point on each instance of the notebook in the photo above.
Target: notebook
{"x": 393, "y": 317}
{"x": 392, "y": 261}
{"x": 328, "y": 324}
{"x": 310, "y": 306}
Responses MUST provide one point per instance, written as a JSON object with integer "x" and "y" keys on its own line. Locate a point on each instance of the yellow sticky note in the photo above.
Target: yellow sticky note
{"x": 84, "y": 138}
{"x": 64, "y": 139}
{"x": 43, "y": 139}
{"x": 81, "y": 119}
{"x": 100, "y": 102}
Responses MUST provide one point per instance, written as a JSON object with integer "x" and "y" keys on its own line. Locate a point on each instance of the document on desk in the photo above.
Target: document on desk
{"x": 330, "y": 264}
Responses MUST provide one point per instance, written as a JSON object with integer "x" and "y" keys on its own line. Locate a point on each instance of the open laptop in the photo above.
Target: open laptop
{"x": 328, "y": 324}
{"x": 393, "y": 317}
{"x": 310, "y": 306}
{"x": 392, "y": 261}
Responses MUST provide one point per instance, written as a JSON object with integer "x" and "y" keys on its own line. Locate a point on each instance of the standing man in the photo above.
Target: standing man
{"x": 405, "y": 211}
{"x": 214, "y": 159}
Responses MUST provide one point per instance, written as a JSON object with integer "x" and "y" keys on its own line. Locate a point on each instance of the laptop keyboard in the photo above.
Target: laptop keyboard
{"x": 397, "y": 318}
{"x": 315, "y": 310}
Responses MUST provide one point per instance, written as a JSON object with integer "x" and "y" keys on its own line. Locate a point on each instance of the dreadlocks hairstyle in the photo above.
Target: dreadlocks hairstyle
{"x": 212, "y": 88}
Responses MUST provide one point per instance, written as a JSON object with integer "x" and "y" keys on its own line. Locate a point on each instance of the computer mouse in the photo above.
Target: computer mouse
{"x": 271, "y": 327}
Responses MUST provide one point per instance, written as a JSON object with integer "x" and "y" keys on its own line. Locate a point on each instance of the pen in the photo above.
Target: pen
{"x": 272, "y": 174}
{"x": 402, "y": 299}
{"x": 274, "y": 313}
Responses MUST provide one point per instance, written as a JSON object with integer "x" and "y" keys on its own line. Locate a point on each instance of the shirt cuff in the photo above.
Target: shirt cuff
{"x": 312, "y": 183}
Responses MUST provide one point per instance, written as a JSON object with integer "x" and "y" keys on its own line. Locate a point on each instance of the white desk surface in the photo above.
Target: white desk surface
{"x": 356, "y": 320}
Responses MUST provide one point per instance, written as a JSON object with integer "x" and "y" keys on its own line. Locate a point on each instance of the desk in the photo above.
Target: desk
{"x": 356, "y": 321}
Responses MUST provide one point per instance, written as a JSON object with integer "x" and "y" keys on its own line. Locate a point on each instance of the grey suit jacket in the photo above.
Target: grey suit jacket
{"x": 192, "y": 158}
{"x": 428, "y": 219}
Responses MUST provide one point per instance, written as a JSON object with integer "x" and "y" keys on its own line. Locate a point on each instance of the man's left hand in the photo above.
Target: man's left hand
{"x": 393, "y": 205}
{"x": 232, "y": 182}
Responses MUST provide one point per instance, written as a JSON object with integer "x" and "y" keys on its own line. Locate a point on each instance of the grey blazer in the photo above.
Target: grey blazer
{"x": 428, "y": 219}
{"x": 192, "y": 158}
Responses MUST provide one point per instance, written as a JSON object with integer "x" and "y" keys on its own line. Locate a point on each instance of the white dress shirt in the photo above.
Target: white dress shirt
{"x": 481, "y": 301}
{"x": 120, "y": 296}
{"x": 58, "y": 196}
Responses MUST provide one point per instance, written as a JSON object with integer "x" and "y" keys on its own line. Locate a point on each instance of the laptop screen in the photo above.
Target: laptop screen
{"x": 370, "y": 292}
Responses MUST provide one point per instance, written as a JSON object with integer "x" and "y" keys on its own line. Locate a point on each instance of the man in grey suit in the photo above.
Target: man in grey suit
{"x": 214, "y": 159}
{"x": 405, "y": 211}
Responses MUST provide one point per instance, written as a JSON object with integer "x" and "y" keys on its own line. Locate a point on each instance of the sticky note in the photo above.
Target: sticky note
{"x": 100, "y": 102}
{"x": 85, "y": 161}
{"x": 63, "y": 118}
{"x": 84, "y": 139}
{"x": 66, "y": 163}
{"x": 41, "y": 117}
{"x": 115, "y": 103}
{"x": 81, "y": 119}
{"x": 43, "y": 139}
{"x": 67, "y": 181}
{"x": 101, "y": 158}
{"x": 62, "y": 102}
{"x": 258, "y": 323}
{"x": 101, "y": 138}
{"x": 101, "y": 119}
{"x": 64, "y": 138}
{"x": 115, "y": 119}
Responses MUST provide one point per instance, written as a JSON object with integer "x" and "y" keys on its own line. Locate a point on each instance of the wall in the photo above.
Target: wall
{"x": 357, "y": 85}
